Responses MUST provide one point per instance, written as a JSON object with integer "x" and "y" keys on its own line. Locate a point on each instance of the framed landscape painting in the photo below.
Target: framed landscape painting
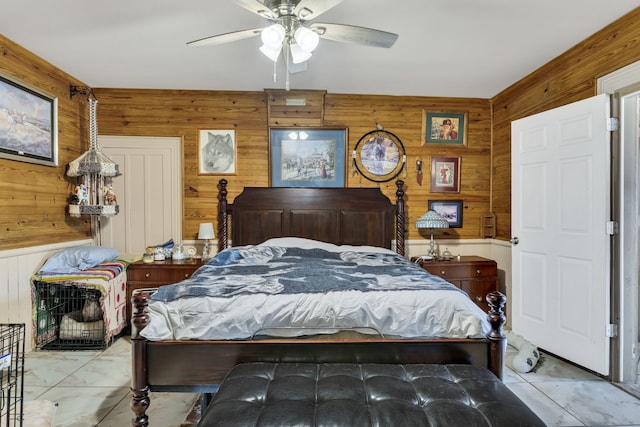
{"x": 28, "y": 123}
{"x": 451, "y": 210}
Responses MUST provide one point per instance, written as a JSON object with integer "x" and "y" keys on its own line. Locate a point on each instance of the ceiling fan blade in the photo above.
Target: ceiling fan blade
{"x": 310, "y": 9}
{"x": 257, "y": 7}
{"x": 354, "y": 34}
{"x": 225, "y": 38}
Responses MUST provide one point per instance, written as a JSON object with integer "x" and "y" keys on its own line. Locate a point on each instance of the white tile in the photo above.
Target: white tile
{"x": 84, "y": 406}
{"x": 165, "y": 410}
{"x": 48, "y": 368}
{"x": 550, "y": 368}
{"x": 511, "y": 376}
{"x": 595, "y": 403}
{"x": 549, "y": 411}
{"x": 103, "y": 371}
{"x": 121, "y": 347}
{"x": 34, "y": 392}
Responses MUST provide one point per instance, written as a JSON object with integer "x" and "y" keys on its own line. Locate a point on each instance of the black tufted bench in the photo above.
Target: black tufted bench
{"x": 354, "y": 395}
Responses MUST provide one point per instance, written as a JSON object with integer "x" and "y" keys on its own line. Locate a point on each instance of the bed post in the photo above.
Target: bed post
{"x": 139, "y": 386}
{"x": 223, "y": 217}
{"x": 400, "y": 227}
{"x": 498, "y": 341}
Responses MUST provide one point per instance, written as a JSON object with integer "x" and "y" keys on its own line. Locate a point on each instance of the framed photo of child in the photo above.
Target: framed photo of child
{"x": 444, "y": 128}
{"x": 445, "y": 174}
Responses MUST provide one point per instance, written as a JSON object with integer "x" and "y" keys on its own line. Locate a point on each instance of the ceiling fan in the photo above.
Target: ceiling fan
{"x": 292, "y": 34}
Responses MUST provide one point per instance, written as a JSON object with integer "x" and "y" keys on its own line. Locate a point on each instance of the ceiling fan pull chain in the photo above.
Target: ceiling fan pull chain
{"x": 275, "y": 72}
{"x": 287, "y": 84}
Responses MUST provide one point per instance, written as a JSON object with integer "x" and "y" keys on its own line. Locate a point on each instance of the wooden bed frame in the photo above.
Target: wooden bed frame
{"x": 353, "y": 216}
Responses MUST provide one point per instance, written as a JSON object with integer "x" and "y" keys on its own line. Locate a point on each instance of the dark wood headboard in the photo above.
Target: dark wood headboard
{"x": 343, "y": 216}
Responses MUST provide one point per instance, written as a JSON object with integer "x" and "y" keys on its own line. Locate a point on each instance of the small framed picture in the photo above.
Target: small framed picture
{"x": 445, "y": 174}
{"x": 451, "y": 210}
{"x": 444, "y": 128}
{"x": 307, "y": 157}
{"x": 217, "y": 152}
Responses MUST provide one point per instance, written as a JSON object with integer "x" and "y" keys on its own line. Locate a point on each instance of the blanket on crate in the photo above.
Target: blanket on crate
{"x": 47, "y": 292}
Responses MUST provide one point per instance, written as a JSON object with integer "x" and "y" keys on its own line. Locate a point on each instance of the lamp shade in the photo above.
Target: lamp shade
{"x": 273, "y": 36}
{"x": 206, "y": 231}
{"x": 432, "y": 219}
{"x": 307, "y": 39}
{"x": 298, "y": 55}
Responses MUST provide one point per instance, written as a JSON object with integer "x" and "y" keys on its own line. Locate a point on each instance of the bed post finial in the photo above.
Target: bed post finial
{"x": 223, "y": 230}
{"x": 400, "y": 225}
{"x": 497, "y": 319}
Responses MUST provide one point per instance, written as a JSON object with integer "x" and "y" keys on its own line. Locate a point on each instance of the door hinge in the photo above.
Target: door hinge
{"x": 612, "y": 227}
{"x": 612, "y": 330}
{"x": 612, "y": 124}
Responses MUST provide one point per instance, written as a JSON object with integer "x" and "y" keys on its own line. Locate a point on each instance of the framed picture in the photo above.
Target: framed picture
{"x": 451, "y": 210}
{"x": 217, "y": 152}
{"x": 379, "y": 156}
{"x": 307, "y": 157}
{"x": 445, "y": 174}
{"x": 28, "y": 123}
{"x": 444, "y": 128}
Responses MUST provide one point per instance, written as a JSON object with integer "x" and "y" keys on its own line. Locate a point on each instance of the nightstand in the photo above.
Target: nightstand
{"x": 142, "y": 275}
{"x": 476, "y": 275}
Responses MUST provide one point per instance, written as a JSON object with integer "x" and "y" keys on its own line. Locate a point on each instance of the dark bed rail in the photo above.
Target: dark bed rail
{"x": 186, "y": 366}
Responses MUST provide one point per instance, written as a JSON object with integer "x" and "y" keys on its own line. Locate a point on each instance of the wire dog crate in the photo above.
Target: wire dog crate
{"x": 68, "y": 318}
{"x": 11, "y": 374}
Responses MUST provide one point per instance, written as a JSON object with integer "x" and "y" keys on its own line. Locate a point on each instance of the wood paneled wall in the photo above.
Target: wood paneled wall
{"x": 183, "y": 113}
{"x": 34, "y": 197}
{"x": 568, "y": 78}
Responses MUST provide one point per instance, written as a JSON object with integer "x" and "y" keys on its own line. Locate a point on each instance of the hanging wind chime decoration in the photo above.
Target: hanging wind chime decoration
{"x": 379, "y": 156}
{"x": 93, "y": 195}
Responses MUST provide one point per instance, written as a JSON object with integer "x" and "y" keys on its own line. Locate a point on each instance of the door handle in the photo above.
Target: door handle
{"x": 514, "y": 241}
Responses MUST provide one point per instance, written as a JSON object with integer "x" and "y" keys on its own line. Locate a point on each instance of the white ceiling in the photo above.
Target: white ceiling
{"x": 452, "y": 48}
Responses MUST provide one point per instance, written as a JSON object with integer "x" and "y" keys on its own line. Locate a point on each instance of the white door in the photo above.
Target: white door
{"x": 148, "y": 192}
{"x": 560, "y": 208}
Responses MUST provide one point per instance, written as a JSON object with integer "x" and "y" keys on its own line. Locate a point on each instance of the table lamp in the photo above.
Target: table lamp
{"x": 206, "y": 232}
{"x": 432, "y": 220}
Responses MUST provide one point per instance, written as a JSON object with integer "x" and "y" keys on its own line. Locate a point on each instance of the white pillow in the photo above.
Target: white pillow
{"x": 302, "y": 243}
{"x": 77, "y": 259}
{"x": 299, "y": 242}
{"x": 374, "y": 249}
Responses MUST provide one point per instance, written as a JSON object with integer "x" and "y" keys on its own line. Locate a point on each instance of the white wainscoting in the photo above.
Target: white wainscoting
{"x": 16, "y": 268}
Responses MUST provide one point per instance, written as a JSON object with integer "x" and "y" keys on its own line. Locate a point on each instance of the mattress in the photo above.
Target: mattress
{"x": 292, "y": 291}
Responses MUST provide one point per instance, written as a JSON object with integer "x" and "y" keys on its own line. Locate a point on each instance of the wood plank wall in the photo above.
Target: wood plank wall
{"x": 182, "y": 113}
{"x": 34, "y": 197}
{"x": 568, "y": 78}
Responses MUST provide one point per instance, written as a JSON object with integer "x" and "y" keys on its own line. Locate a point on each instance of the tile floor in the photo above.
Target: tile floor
{"x": 91, "y": 388}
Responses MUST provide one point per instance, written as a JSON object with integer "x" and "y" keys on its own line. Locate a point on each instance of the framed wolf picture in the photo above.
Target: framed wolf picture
{"x": 217, "y": 152}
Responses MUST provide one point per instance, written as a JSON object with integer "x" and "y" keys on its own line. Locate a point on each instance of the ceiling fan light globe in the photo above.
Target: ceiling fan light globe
{"x": 270, "y": 53}
{"x": 298, "y": 55}
{"x": 307, "y": 39}
{"x": 273, "y": 36}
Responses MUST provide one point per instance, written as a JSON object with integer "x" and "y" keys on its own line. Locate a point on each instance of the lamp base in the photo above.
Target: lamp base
{"x": 206, "y": 251}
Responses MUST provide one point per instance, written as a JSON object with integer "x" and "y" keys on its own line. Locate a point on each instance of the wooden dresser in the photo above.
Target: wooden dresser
{"x": 141, "y": 275}
{"x": 475, "y": 275}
